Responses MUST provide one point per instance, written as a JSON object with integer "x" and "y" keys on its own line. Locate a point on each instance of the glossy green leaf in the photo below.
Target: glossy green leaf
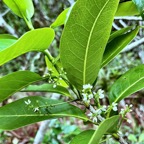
{"x": 127, "y": 9}
{"x": 6, "y": 40}
{"x": 140, "y": 6}
{"x": 119, "y": 32}
{"x": 60, "y": 19}
{"x": 84, "y": 39}
{"x": 130, "y": 82}
{"x": 34, "y": 109}
{"x": 35, "y": 40}
{"x": 22, "y": 8}
{"x": 103, "y": 128}
{"x": 51, "y": 67}
{"x": 48, "y": 88}
{"x": 117, "y": 45}
{"x": 83, "y": 137}
{"x": 16, "y": 81}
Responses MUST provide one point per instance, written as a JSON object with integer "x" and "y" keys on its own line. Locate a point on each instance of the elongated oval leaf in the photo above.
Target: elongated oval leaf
{"x": 130, "y": 82}
{"x": 127, "y": 9}
{"x": 6, "y": 40}
{"x": 35, "y": 40}
{"x": 117, "y": 45}
{"x": 34, "y": 109}
{"x": 140, "y": 6}
{"x": 51, "y": 67}
{"x": 60, "y": 19}
{"x": 119, "y": 32}
{"x": 83, "y": 137}
{"x": 48, "y": 88}
{"x": 105, "y": 126}
{"x": 22, "y": 8}
{"x": 84, "y": 39}
{"x": 16, "y": 81}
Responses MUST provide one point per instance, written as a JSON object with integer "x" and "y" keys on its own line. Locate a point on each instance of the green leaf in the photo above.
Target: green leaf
{"x": 117, "y": 45}
{"x": 48, "y": 88}
{"x": 16, "y": 81}
{"x": 103, "y": 128}
{"x": 6, "y": 40}
{"x": 35, "y": 40}
{"x": 18, "y": 113}
{"x": 84, "y": 39}
{"x": 119, "y": 32}
{"x": 83, "y": 137}
{"x": 22, "y": 8}
{"x": 141, "y": 138}
{"x": 51, "y": 67}
{"x": 140, "y": 6}
{"x": 130, "y": 82}
{"x": 61, "y": 19}
{"x": 127, "y": 9}
{"x": 132, "y": 138}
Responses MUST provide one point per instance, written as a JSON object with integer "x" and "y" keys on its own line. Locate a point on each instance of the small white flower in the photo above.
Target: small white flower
{"x": 90, "y": 115}
{"x": 92, "y": 109}
{"x": 104, "y": 108}
{"x": 84, "y": 97}
{"x": 90, "y": 96}
{"x": 98, "y": 111}
{"x": 28, "y": 102}
{"x": 129, "y": 121}
{"x": 36, "y": 109}
{"x": 131, "y": 106}
{"x": 87, "y": 86}
{"x": 101, "y": 93}
{"x": 54, "y": 86}
{"x": 94, "y": 120}
{"x": 115, "y": 109}
{"x": 100, "y": 118}
{"x": 114, "y": 106}
{"x": 122, "y": 111}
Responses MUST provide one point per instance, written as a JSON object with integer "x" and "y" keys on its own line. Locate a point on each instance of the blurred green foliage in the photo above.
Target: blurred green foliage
{"x": 46, "y": 12}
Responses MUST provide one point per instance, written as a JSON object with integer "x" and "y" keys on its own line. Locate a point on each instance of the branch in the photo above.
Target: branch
{"x": 6, "y": 26}
{"x": 133, "y": 45}
{"x": 42, "y": 130}
{"x": 71, "y": 2}
{"x": 129, "y": 18}
{"x": 44, "y": 126}
{"x": 115, "y": 26}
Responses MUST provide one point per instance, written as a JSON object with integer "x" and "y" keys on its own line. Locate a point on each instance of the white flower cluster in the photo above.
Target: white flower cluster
{"x": 28, "y": 103}
{"x": 128, "y": 109}
{"x": 114, "y": 106}
{"x": 100, "y": 93}
{"x": 87, "y": 94}
{"x": 123, "y": 112}
{"x": 95, "y": 115}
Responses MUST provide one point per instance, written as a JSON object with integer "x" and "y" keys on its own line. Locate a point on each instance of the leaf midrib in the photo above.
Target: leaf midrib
{"x": 88, "y": 43}
{"x": 45, "y": 115}
{"x": 128, "y": 88}
{"x": 18, "y": 8}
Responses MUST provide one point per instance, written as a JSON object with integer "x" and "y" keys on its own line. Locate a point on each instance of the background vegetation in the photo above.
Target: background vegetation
{"x": 58, "y": 131}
